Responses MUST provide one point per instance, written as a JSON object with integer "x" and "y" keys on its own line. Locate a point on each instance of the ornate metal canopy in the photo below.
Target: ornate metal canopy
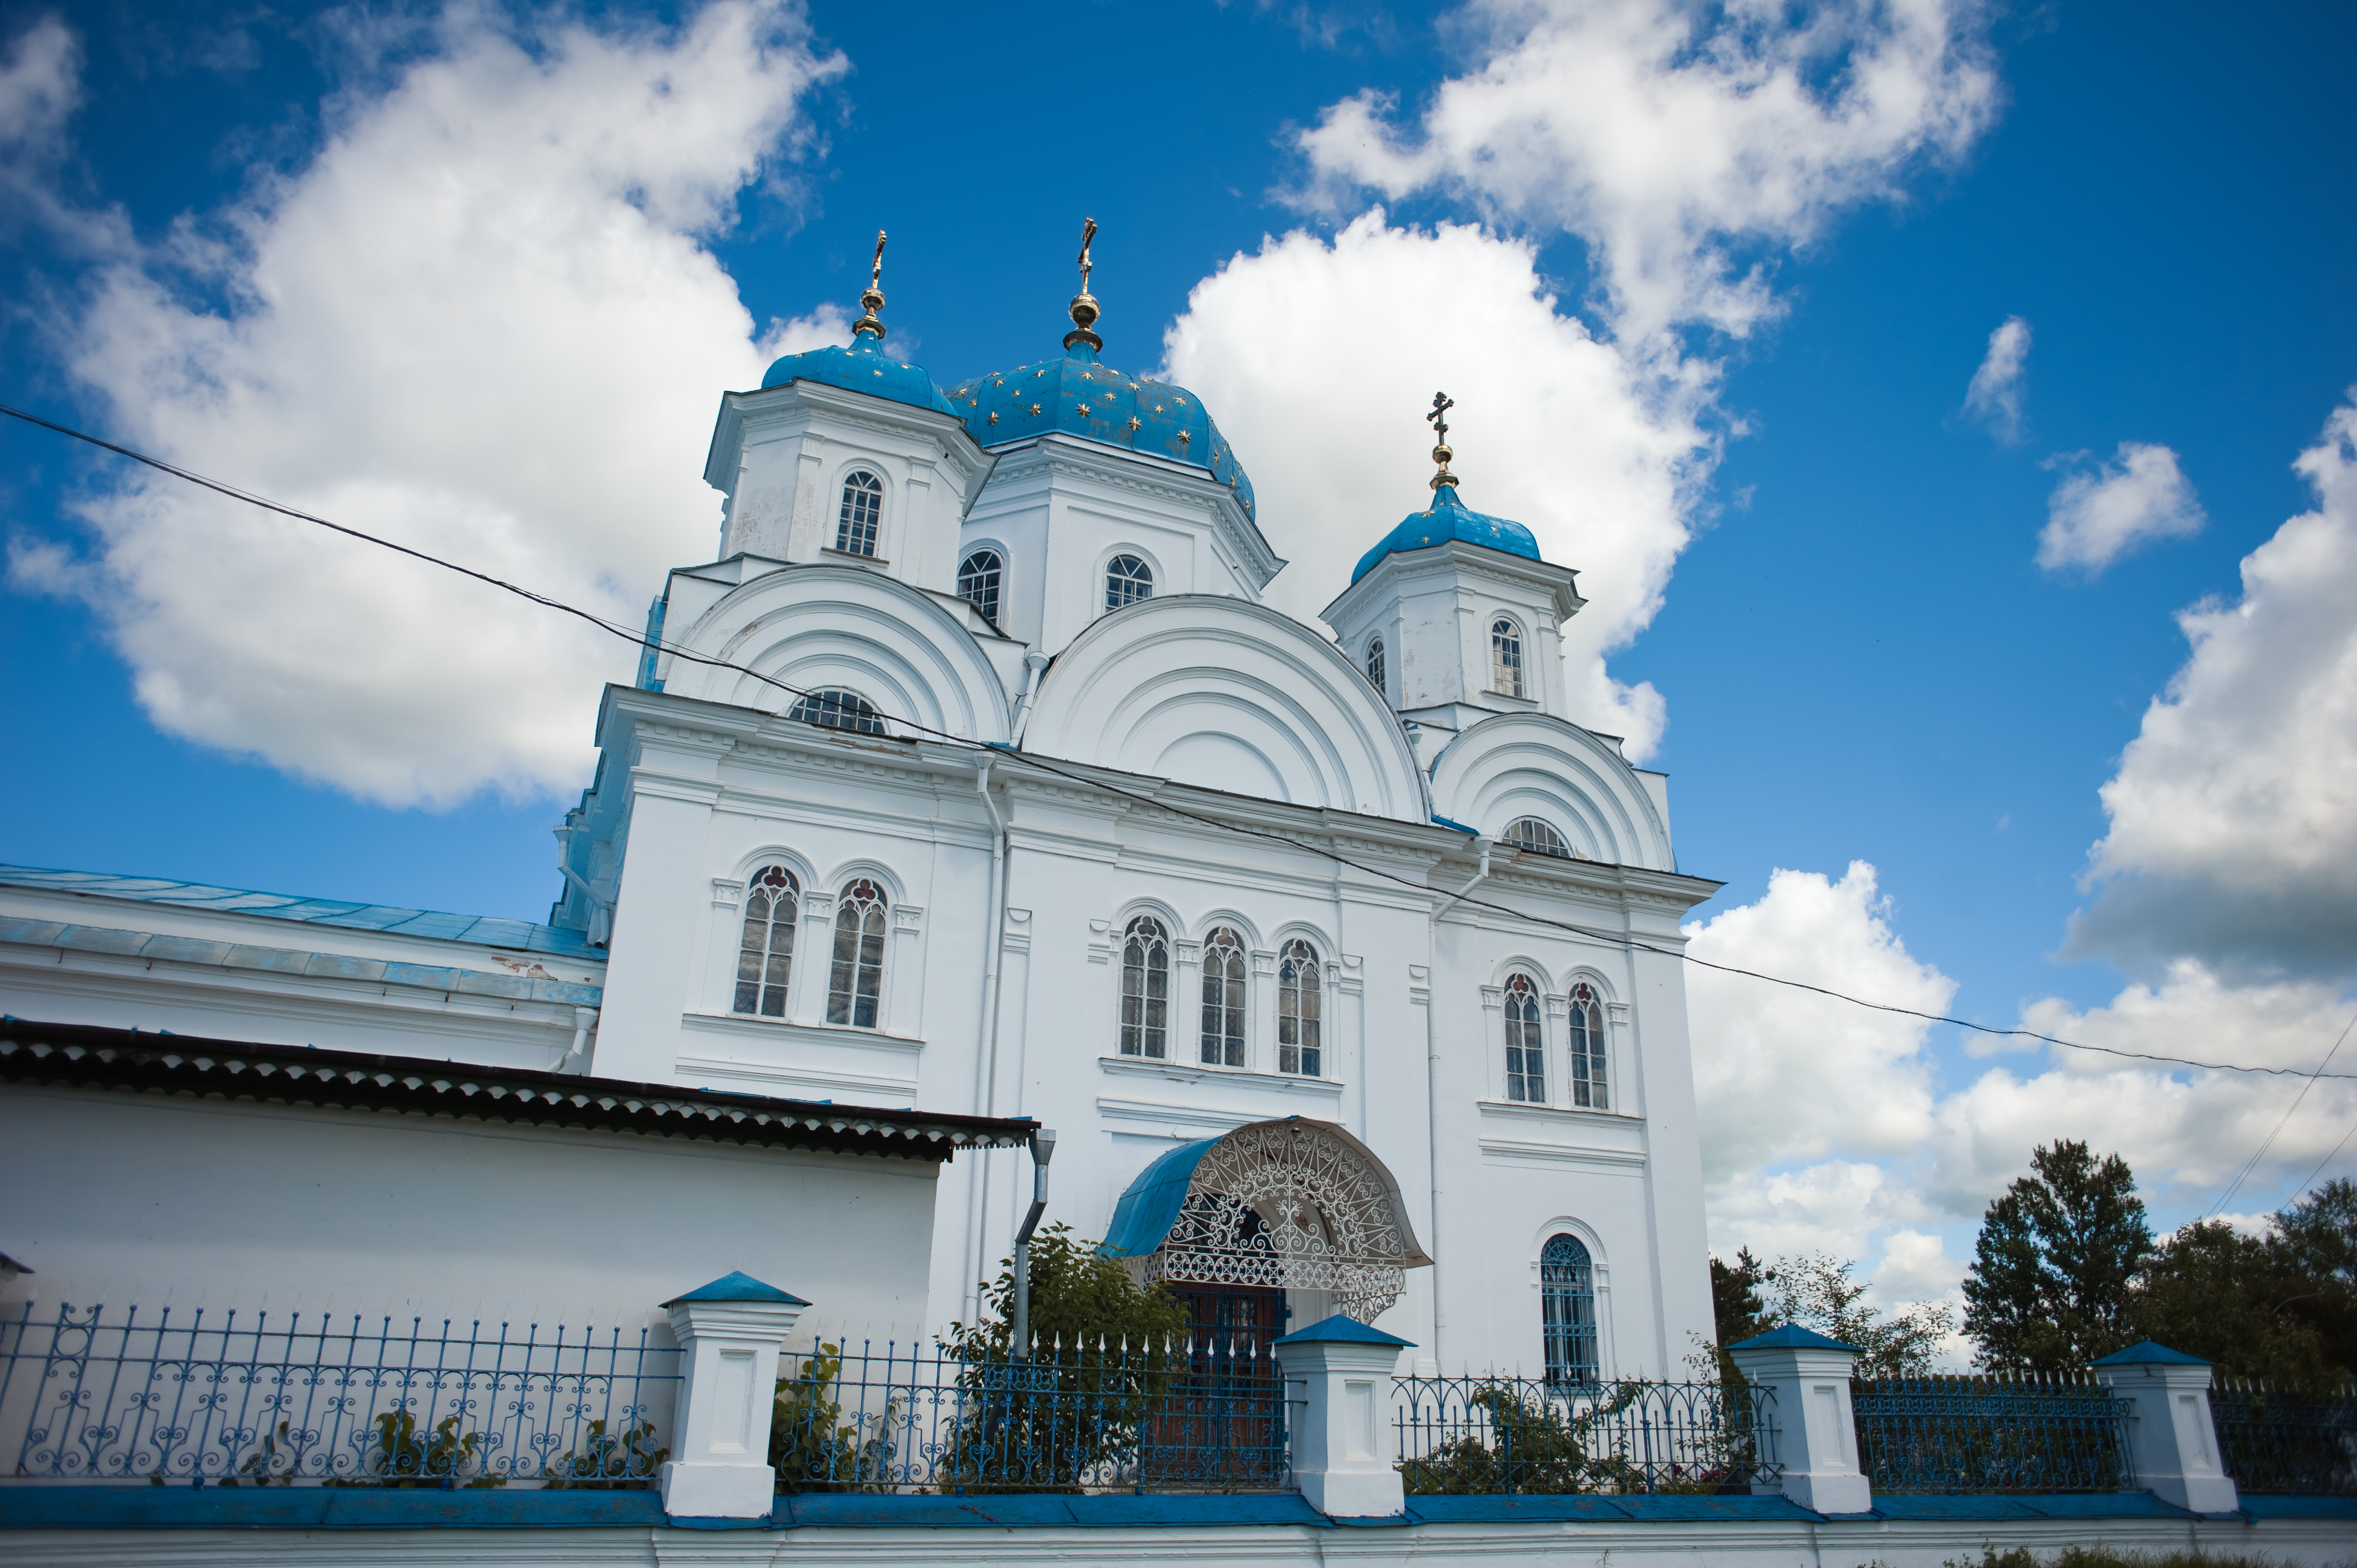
{"x": 1297, "y": 1204}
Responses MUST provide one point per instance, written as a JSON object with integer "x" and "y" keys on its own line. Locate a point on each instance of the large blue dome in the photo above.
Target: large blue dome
{"x": 1446, "y": 518}
{"x": 1079, "y": 396}
{"x": 861, "y": 368}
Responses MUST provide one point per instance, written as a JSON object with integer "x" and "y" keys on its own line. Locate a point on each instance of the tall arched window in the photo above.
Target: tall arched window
{"x": 1300, "y": 1044}
{"x": 863, "y": 508}
{"x": 835, "y": 708}
{"x": 977, "y": 581}
{"x": 1223, "y": 999}
{"x": 857, "y": 981}
{"x": 1145, "y": 988}
{"x": 1375, "y": 663}
{"x": 765, "y": 954}
{"x": 1526, "y": 1043}
{"x": 1505, "y": 657}
{"x": 1567, "y": 1313}
{"x": 1587, "y": 1087}
{"x": 1538, "y": 837}
{"x": 1127, "y": 580}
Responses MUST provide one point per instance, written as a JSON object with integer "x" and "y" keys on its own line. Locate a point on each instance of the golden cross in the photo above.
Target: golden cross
{"x": 1088, "y": 237}
{"x": 1441, "y": 403}
{"x": 876, "y": 274}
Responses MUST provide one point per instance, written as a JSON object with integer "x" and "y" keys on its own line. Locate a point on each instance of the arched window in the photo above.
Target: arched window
{"x": 1505, "y": 657}
{"x": 1538, "y": 837}
{"x": 1526, "y": 1043}
{"x": 834, "y": 708}
{"x": 863, "y": 508}
{"x": 765, "y": 955}
{"x": 1127, "y": 580}
{"x": 1223, "y": 999}
{"x": 1375, "y": 663}
{"x": 1587, "y": 1087}
{"x": 977, "y": 580}
{"x": 1299, "y": 1047}
{"x": 1567, "y": 1313}
{"x": 1145, "y": 988}
{"x": 858, "y": 979}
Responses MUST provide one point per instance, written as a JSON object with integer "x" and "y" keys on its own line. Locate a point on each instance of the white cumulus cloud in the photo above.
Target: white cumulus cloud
{"x": 483, "y": 321}
{"x": 2097, "y": 515}
{"x": 1671, "y": 137}
{"x": 1995, "y": 396}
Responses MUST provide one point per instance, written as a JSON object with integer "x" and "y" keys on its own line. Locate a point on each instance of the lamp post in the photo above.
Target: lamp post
{"x": 1043, "y": 1149}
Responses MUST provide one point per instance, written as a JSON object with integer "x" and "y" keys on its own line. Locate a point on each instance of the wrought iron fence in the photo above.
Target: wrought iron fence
{"x": 1992, "y": 1432}
{"x": 1523, "y": 1435}
{"x": 228, "y": 1402}
{"x": 1172, "y": 1416}
{"x": 2282, "y": 1440}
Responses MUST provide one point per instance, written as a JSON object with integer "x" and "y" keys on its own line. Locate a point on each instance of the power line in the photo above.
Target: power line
{"x": 2253, "y": 1162}
{"x": 2326, "y": 1159}
{"x": 1615, "y": 939}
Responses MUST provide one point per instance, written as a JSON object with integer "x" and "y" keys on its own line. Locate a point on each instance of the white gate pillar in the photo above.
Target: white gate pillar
{"x": 1345, "y": 1456}
{"x": 1816, "y": 1438}
{"x": 2171, "y": 1439}
{"x": 728, "y": 1333}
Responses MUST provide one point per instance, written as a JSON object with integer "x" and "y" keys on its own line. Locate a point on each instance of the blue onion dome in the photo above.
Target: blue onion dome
{"x": 1449, "y": 518}
{"x": 1081, "y": 395}
{"x": 863, "y": 367}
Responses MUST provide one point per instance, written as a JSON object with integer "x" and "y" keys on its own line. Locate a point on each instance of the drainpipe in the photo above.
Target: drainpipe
{"x": 985, "y": 1056}
{"x": 1043, "y": 1149}
{"x": 1034, "y": 661}
{"x": 1432, "y": 1078}
{"x": 584, "y": 1020}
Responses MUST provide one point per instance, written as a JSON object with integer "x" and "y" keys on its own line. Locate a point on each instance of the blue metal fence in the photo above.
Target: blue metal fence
{"x": 1991, "y": 1433}
{"x": 1171, "y": 1416}
{"x": 163, "y": 1399}
{"x": 2285, "y": 1439}
{"x": 1523, "y": 1435}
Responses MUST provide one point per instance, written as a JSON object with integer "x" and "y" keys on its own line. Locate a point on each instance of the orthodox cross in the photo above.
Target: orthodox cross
{"x": 872, "y": 300}
{"x": 1438, "y": 419}
{"x": 1088, "y": 238}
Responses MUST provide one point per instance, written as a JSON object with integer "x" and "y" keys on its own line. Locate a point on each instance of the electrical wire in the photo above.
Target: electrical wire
{"x": 2326, "y": 1159}
{"x": 2253, "y": 1162}
{"x": 1615, "y": 939}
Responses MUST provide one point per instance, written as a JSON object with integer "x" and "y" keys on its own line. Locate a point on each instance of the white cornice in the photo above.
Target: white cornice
{"x": 1058, "y": 455}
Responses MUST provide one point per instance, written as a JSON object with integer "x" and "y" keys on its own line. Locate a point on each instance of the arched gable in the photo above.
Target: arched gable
{"x": 814, "y": 627}
{"x": 1530, "y": 765}
{"x": 1229, "y": 696}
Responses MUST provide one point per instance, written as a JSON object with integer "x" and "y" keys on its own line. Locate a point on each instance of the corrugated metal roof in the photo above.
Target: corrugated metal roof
{"x": 487, "y": 930}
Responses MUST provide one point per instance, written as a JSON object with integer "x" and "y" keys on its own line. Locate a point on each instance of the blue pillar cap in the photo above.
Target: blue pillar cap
{"x": 1792, "y": 1337}
{"x": 1343, "y": 1329}
{"x": 738, "y": 1287}
{"x": 2146, "y": 1352}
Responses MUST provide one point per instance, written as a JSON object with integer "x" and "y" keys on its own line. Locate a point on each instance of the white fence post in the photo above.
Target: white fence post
{"x": 1345, "y": 1456}
{"x": 1816, "y": 1438}
{"x": 2170, "y": 1436}
{"x": 728, "y": 1333}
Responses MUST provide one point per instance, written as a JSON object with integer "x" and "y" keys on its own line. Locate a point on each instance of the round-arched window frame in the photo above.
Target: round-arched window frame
{"x": 861, "y": 515}
{"x": 978, "y": 579}
{"x": 1145, "y": 988}
{"x": 834, "y": 708}
{"x": 855, "y": 988}
{"x": 1506, "y": 658}
{"x": 1567, "y": 1313}
{"x": 765, "y": 951}
{"x": 1588, "y": 1072}
{"x": 1128, "y": 579}
{"x": 1300, "y": 1008}
{"x": 1536, "y": 836}
{"x": 1526, "y": 1042}
{"x": 1376, "y": 671}
{"x": 1225, "y": 999}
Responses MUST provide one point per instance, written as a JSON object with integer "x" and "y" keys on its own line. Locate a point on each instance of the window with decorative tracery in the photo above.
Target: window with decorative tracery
{"x": 1538, "y": 837}
{"x": 765, "y": 956}
{"x": 1127, "y": 580}
{"x": 856, "y": 983}
{"x": 1299, "y": 1043}
{"x": 834, "y": 708}
{"x": 1224, "y": 992}
{"x": 977, "y": 581}
{"x": 1505, "y": 657}
{"x": 1588, "y": 1071}
{"x": 1526, "y": 1043}
{"x": 1567, "y": 1313}
{"x": 862, "y": 510}
{"x": 1375, "y": 663}
{"x": 1145, "y": 988}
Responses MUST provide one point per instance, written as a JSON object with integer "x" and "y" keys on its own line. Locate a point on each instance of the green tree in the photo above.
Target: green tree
{"x": 2214, "y": 1293}
{"x": 2048, "y": 1285}
{"x": 1737, "y": 1310}
{"x": 1816, "y": 1292}
{"x": 2317, "y": 1236}
{"x": 1077, "y": 1294}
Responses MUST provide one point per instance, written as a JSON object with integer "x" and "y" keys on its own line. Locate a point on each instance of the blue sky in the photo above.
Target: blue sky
{"x": 1736, "y": 400}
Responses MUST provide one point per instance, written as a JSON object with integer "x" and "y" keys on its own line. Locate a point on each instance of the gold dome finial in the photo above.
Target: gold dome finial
{"x": 1441, "y": 452}
{"x": 1084, "y": 303}
{"x": 872, "y": 298}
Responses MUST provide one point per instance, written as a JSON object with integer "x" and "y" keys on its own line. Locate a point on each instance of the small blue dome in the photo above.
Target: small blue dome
{"x": 1078, "y": 396}
{"x": 861, "y": 368}
{"x": 1447, "y": 519}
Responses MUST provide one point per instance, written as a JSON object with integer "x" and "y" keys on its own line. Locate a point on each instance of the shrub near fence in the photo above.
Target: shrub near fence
{"x": 1478, "y": 1435}
{"x": 253, "y": 1404}
{"x": 2284, "y": 1440}
{"x": 1940, "y": 1432}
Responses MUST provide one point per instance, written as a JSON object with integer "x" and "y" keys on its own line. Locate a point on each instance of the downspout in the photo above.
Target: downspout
{"x": 1432, "y": 1083}
{"x": 1034, "y": 661}
{"x": 986, "y": 1062}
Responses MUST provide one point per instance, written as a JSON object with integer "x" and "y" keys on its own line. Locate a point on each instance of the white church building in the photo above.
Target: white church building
{"x": 973, "y": 788}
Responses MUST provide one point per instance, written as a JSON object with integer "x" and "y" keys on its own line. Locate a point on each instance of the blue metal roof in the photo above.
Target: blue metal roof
{"x": 1079, "y": 396}
{"x": 2145, "y": 1352}
{"x": 861, "y": 368}
{"x": 1343, "y": 1328}
{"x": 1150, "y": 1205}
{"x": 738, "y": 1286}
{"x": 488, "y": 930}
{"x": 1792, "y": 1336}
{"x": 1446, "y": 518}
